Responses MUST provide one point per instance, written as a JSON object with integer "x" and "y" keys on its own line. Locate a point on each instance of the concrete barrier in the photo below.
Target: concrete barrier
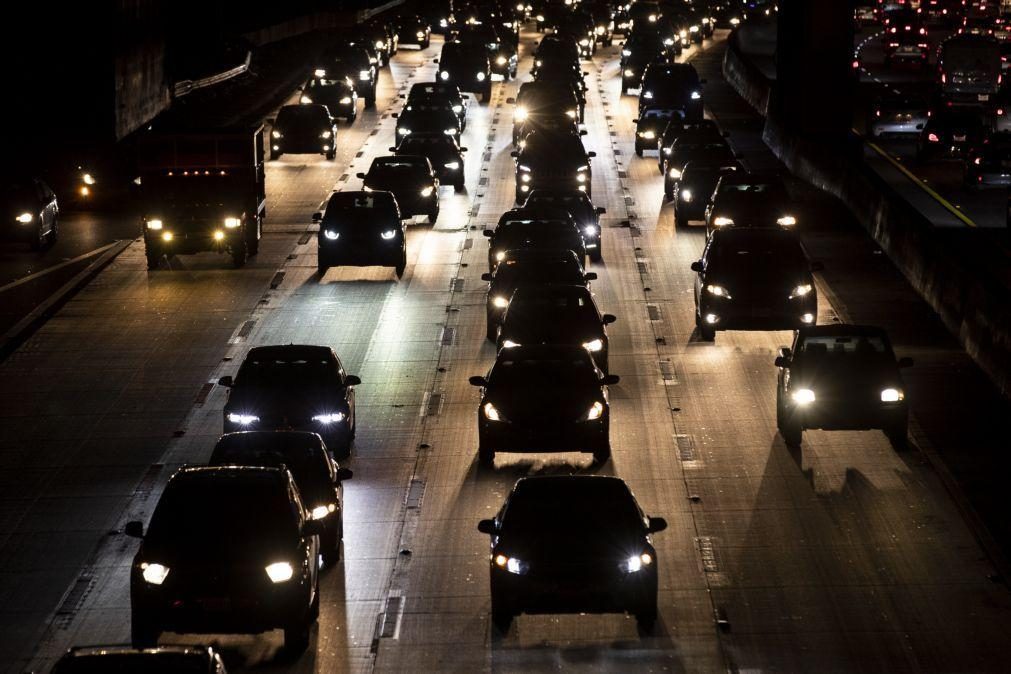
{"x": 959, "y": 272}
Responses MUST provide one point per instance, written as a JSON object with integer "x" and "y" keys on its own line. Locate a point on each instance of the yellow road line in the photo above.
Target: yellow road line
{"x": 922, "y": 185}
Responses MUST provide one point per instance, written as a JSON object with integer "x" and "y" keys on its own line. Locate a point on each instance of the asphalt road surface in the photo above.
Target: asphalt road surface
{"x": 843, "y": 556}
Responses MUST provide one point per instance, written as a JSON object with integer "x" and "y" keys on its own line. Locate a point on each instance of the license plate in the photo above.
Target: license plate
{"x": 983, "y": 97}
{"x": 959, "y": 139}
{"x": 908, "y": 50}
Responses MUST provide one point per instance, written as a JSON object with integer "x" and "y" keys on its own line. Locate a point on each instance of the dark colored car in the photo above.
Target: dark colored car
{"x": 361, "y": 229}
{"x": 519, "y": 228}
{"x": 318, "y": 477}
{"x": 502, "y": 55}
{"x": 572, "y": 544}
{"x": 306, "y": 129}
{"x": 577, "y": 28}
{"x": 603, "y": 24}
{"x": 581, "y": 209}
{"x": 31, "y": 213}
{"x": 546, "y": 398}
{"x": 528, "y": 267}
{"x": 430, "y": 116}
{"x": 467, "y": 67}
{"x": 412, "y": 181}
{"x": 555, "y": 51}
{"x": 951, "y": 133}
{"x": 439, "y": 15}
{"x": 556, "y": 314}
{"x": 441, "y": 151}
{"x": 377, "y": 36}
{"x": 129, "y": 660}
{"x": 839, "y": 377}
{"x": 429, "y": 92}
{"x": 744, "y": 199}
{"x": 754, "y": 279}
{"x": 293, "y": 387}
{"x": 636, "y": 54}
{"x": 676, "y": 86}
{"x": 354, "y": 63}
{"x": 228, "y": 550}
{"x": 689, "y": 149}
{"x": 415, "y": 30}
{"x": 649, "y": 127}
{"x": 704, "y": 130}
{"x": 988, "y": 167}
{"x": 548, "y": 122}
{"x": 542, "y": 99}
{"x": 552, "y": 161}
{"x": 338, "y": 95}
{"x": 696, "y": 187}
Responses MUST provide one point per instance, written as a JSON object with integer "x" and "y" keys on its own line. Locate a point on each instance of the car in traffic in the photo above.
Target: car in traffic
{"x": 319, "y": 479}
{"x": 687, "y": 149}
{"x": 293, "y": 387}
{"x": 412, "y": 181}
{"x": 361, "y": 229}
{"x": 303, "y": 129}
{"x": 572, "y": 544}
{"x": 355, "y": 64}
{"x": 553, "y": 229}
{"x": 121, "y": 659}
{"x": 442, "y": 152}
{"x": 951, "y": 133}
{"x": 552, "y": 161}
{"x": 638, "y": 52}
{"x": 582, "y": 210}
{"x": 31, "y": 211}
{"x": 686, "y": 132}
{"x": 229, "y": 549}
{"x": 756, "y": 278}
{"x": 440, "y": 92}
{"x": 467, "y": 67}
{"x": 414, "y": 30}
{"x": 649, "y": 126}
{"x": 988, "y": 167}
{"x": 338, "y": 95}
{"x": 538, "y": 99}
{"x": 696, "y": 187}
{"x": 744, "y": 199}
{"x": 675, "y": 86}
{"x": 841, "y": 377}
{"x": 502, "y": 54}
{"x": 430, "y": 116}
{"x": 898, "y": 115}
{"x": 544, "y": 398}
{"x": 528, "y": 267}
{"x": 556, "y": 314}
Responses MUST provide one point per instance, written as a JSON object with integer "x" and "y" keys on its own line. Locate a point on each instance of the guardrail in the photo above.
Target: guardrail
{"x": 183, "y": 87}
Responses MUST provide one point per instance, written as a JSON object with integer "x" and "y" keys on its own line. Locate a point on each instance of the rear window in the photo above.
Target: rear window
{"x": 301, "y": 114}
{"x": 260, "y": 371}
{"x": 843, "y": 345}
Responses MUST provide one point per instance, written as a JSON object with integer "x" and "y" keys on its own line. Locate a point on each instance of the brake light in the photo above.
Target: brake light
{"x": 944, "y": 78}
{"x": 933, "y": 138}
{"x": 877, "y": 113}
{"x": 978, "y": 161}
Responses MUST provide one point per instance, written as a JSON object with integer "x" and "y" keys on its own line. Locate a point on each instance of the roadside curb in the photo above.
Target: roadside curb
{"x": 23, "y": 329}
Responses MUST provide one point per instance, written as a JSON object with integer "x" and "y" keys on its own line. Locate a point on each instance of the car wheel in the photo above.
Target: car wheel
{"x": 898, "y": 434}
{"x": 239, "y": 253}
{"x": 645, "y": 619}
{"x": 321, "y": 268}
{"x": 39, "y": 240}
{"x": 602, "y": 453}
{"x": 274, "y": 155}
{"x": 680, "y": 221}
{"x": 638, "y": 150}
{"x": 492, "y": 332}
{"x": 596, "y": 255}
{"x": 54, "y": 233}
{"x": 501, "y": 618}
{"x": 153, "y": 261}
{"x": 331, "y": 544}
{"x": 370, "y": 101}
{"x": 331, "y": 155}
{"x": 707, "y": 334}
{"x": 624, "y": 90}
{"x": 401, "y": 266}
{"x": 486, "y": 457}
{"x": 486, "y": 95}
{"x": 780, "y": 412}
{"x": 296, "y": 636}
{"x": 432, "y": 217}
{"x": 143, "y": 634}
{"x": 459, "y": 187}
{"x": 792, "y": 432}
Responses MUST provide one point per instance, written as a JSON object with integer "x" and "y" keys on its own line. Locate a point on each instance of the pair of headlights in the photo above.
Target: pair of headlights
{"x": 805, "y": 396}
{"x": 596, "y": 411}
{"x": 155, "y": 574}
{"x": 514, "y": 565}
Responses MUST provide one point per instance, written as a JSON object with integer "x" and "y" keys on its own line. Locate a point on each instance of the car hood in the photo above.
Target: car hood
{"x": 290, "y": 403}
{"x": 552, "y": 404}
{"x": 398, "y": 184}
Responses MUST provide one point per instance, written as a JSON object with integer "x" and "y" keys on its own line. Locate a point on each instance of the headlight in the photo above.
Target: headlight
{"x": 723, "y": 221}
{"x": 420, "y": 35}
{"x": 696, "y": 95}
{"x": 590, "y": 230}
{"x": 151, "y": 224}
{"x": 346, "y": 100}
{"x": 88, "y": 179}
{"x": 667, "y": 150}
{"x": 321, "y": 511}
{"x": 892, "y": 395}
{"x": 786, "y": 221}
{"x": 154, "y": 573}
{"x": 511, "y": 564}
{"x": 571, "y": 114}
{"x": 499, "y": 302}
{"x": 635, "y": 563}
{"x": 388, "y": 234}
{"x": 580, "y": 177}
{"x": 524, "y": 168}
{"x": 480, "y": 77}
{"x": 279, "y": 572}
{"x": 427, "y": 192}
{"x": 452, "y": 165}
{"x": 364, "y": 75}
{"x": 275, "y": 133}
{"x": 329, "y": 418}
{"x": 491, "y": 413}
{"x": 584, "y": 42}
{"x": 444, "y": 76}
{"x": 686, "y": 196}
{"x": 501, "y": 60}
{"x": 694, "y": 29}
{"x": 595, "y": 412}
{"x": 520, "y": 114}
{"x": 629, "y": 72}
{"x": 540, "y": 17}
{"x": 242, "y": 419}
{"x": 675, "y": 173}
{"x": 319, "y": 72}
{"x": 600, "y": 30}
{"x": 668, "y": 41}
{"x": 304, "y": 99}
{"x": 735, "y": 21}
{"x": 682, "y": 33}
{"x": 647, "y": 94}
{"x": 458, "y": 109}
{"x": 510, "y": 344}
{"x": 167, "y": 236}
{"x": 648, "y": 135}
{"x": 331, "y": 235}
{"x": 219, "y": 235}
{"x": 366, "y": 188}
{"x": 626, "y": 52}
{"x": 803, "y": 396}
{"x": 449, "y": 132}
{"x": 594, "y": 345}
{"x": 499, "y": 256}
{"x": 718, "y": 291}
{"x": 232, "y": 223}
{"x": 525, "y": 177}
{"x": 801, "y": 290}
{"x": 25, "y": 218}
{"x": 403, "y": 131}
{"x": 380, "y": 44}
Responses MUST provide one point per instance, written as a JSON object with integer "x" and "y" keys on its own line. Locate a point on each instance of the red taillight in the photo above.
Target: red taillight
{"x": 944, "y": 78}
{"x": 923, "y": 31}
{"x": 909, "y": 27}
{"x": 933, "y": 138}
{"x": 856, "y": 64}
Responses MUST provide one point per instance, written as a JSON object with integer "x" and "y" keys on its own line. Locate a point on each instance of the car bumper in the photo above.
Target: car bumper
{"x": 548, "y": 437}
{"x": 738, "y": 315}
{"x": 559, "y": 183}
{"x": 190, "y": 242}
{"x": 415, "y": 204}
{"x": 844, "y": 415}
{"x": 555, "y": 593}
{"x": 339, "y": 254}
{"x": 314, "y": 146}
{"x": 885, "y": 129}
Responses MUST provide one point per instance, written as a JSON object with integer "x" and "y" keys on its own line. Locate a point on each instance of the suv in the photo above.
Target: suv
{"x": 361, "y": 229}
{"x": 293, "y": 387}
{"x": 553, "y": 229}
{"x": 412, "y": 181}
{"x": 430, "y": 116}
{"x": 307, "y": 128}
{"x": 552, "y": 161}
{"x": 537, "y": 99}
{"x": 696, "y": 187}
{"x": 672, "y": 85}
{"x": 427, "y": 92}
{"x": 338, "y": 95}
{"x": 467, "y": 67}
{"x": 228, "y": 549}
{"x": 581, "y": 209}
{"x": 442, "y": 152}
{"x": 355, "y": 64}
{"x": 841, "y": 377}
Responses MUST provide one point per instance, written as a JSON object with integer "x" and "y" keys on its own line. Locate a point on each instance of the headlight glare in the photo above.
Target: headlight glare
{"x": 452, "y": 165}
{"x": 232, "y": 223}
{"x": 331, "y": 235}
{"x": 388, "y": 234}
{"x": 151, "y": 224}
{"x": 321, "y": 511}
{"x": 723, "y": 221}
{"x": 154, "y": 573}
{"x": 25, "y": 218}
{"x": 331, "y": 418}
{"x": 594, "y": 345}
{"x": 510, "y": 344}
{"x": 803, "y": 396}
{"x": 786, "y": 221}
{"x": 801, "y": 290}
{"x": 242, "y": 419}
{"x": 892, "y": 395}
{"x": 718, "y": 291}
{"x": 279, "y": 572}
{"x": 499, "y": 302}
{"x": 491, "y": 413}
{"x": 427, "y": 192}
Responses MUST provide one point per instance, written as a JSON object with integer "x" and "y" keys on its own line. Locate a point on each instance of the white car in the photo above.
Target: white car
{"x": 897, "y": 116}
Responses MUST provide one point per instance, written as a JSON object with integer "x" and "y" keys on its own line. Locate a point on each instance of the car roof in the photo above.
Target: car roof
{"x": 536, "y": 213}
{"x": 841, "y": 330}
{"x": 544, "y": 351}
{"x": 413, "y": 159}
{"x": 552, "y": 484}
{"x": 290, "y": 351}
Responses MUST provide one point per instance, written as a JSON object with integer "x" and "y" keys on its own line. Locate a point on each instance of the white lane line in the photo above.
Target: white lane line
{"x": 56, "y": 267}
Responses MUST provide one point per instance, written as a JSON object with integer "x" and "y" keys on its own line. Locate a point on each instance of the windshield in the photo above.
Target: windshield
{"x": 737, "y": 255}
{"x": 574, "y": 509}
{"x": 278, "y": 371}
{"x": 300, "y": 114}
{"x": 980, "y": 56}
{"x": 543, "y": 373}
{"x": 509, "y": 274}
{"x": 307, "y": 463}
{"x": 397, "y": 169}
{"x": 857, "y": 346}
{"x": 195, "y": 190}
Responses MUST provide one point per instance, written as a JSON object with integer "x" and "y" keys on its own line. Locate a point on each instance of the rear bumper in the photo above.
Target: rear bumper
{"x": 555, "y": 593}
{"x": 556, "y": 437}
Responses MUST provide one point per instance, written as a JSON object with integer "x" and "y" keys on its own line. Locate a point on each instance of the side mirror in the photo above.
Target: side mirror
{"x": 905, "y": 362}
{"x": 435, "y": 60}
{"x": 590, "y": 276}
{"x": 486, "y": 276}
{"x": 463, "y": 149}
{"x": 583, "y": 132}
{"x": 786, "y": 352}
{"x": 395, "y": 115}
{"x": 271, "y": 121}
{"x": 313, "y": 528}
{"x": 391, "y": 149}
{"x": 225, "y": 381}
{"x": 697, "y": 266}
{"x": 317, "y": 216}
{"x": 607, "y": 319}
{"x": 344, "y": 474}
{"x": 134, "y": 529}
{"x": 610, "y": 379}
{"x": 511, "y": 101}
{"x": 817, "y": 266}
{"x": 782, "y": 362}
{"x": 591, "y": 154}
{"x": 402, "y": 96}
{"x": 635, "y": 121}
{"x": 360, "y": 175}
{"x": 487, "y": 527}
{"x": 656, "y": 525}
{"x": 919, "y": 127}
{"x": 489, "y": 233}
{"x": 600, "y": 210}
{"x": 478, "y": 380}
{"x": 514, "y": 154}
{"x": 352, "y": 380}
{"x": 586, "y": 73}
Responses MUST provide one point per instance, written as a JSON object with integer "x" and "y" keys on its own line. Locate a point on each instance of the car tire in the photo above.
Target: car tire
{"x": 54, "y": 233}
{"x": 486, "y": 95}
{"x": 321, "y": 268}
{"x": 370, "y": 101}
{"x": 143, "y": 634}
{"x": 624, "y": 90}
{"x": 240, "y": 252}
{"x": 486, "y": 457}
{"x": 596, "y": 255}
{"x": 153, "y": 261}
{"x": 254, "y": 239}
{"x": 602, "y": 453}
{"x": 501, "y": 617}
{"x": 331, "y": 544}
{"x": 274, "y": 156}
{"x": 780, "y": 411}
{"x": 645, "y": 619}
{"x": 680, "y": 221}
{"x": 707, "y": 334}
{"x": 792, "y": 432}
{"x": 432, "y": 217}
{"x": 459, "y": 187}
{"x": 638, "y": 150}
{"x": 296, "y": 635}
{"x": 491, "y": 332}
{"x": 331, "y": 155}
{"x": 898, "y": 434}
{"x": 401, "y": 266}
